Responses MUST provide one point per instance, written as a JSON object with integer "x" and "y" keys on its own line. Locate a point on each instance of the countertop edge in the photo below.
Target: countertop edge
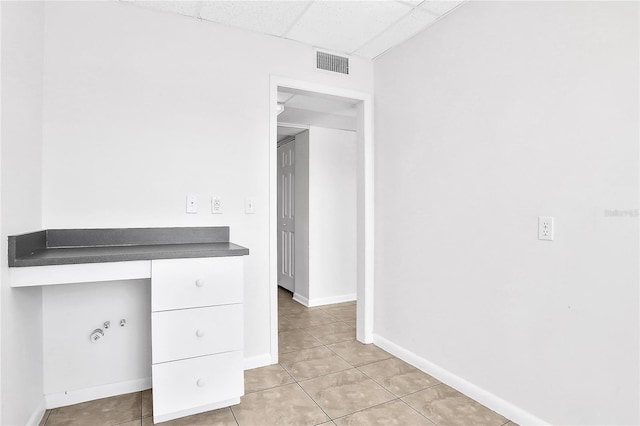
{"x": 25, "y": 248}
{"x": 22, "y": 262}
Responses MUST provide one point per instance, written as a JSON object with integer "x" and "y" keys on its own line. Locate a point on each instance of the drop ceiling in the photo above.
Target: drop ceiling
{"x": 363, "y": 28}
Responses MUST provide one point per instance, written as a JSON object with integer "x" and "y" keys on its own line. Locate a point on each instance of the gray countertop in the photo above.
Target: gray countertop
{"x": 75, "y": 246}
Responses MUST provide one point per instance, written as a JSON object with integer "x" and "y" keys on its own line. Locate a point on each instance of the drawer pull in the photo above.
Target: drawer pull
{"x": 200, "y": 333}
{"x": 201, "y": 383}
{"x": 199, "y": 283}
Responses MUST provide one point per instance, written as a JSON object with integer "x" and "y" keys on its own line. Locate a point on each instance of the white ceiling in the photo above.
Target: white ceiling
{"x": 364, "y": 28}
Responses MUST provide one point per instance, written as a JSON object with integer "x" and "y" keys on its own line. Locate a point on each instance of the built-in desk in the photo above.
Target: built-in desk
{"x": 64, "y": 256}
{"x": 197, "y": 300}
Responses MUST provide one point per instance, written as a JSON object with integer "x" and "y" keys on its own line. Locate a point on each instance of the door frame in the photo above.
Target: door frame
{"x": 364, "y": 204}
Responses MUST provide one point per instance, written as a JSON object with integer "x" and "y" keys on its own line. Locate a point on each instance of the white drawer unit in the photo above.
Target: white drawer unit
{"x": 195, "y": 385}
{"x": 197, "y": 335}
{"x": 191, "y": 283}
{"x": 188, "y": 333}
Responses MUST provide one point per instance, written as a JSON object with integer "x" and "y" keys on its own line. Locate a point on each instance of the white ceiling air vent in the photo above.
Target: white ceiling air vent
{"x": 329, "y": 62}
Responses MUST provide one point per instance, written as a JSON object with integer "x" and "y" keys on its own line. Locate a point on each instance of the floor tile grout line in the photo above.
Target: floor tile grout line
{"x": 357, "y": 367}
{"x": 376, "y": 382}
{"x": 300, "y": 329}
{"x": 360, "y": 365}
{"x": 443, "y": 384}
{"x": 234, "y": 416}
{"x": 309, "y": 314}
{"x": 327, "y": 311}
{"x": 314, "y": 377}
{"x": 276, "y": 386}
{"x": 366, "y": 408}
{"x": 128, "y": 421}
{"x": 354, "y": 366}
{"x": 349, "y": 363}
{"x": 418, "y": 412}
{"x": 314, "y": 401}
{"x": 323, "y": 325}
{"x": 322, "y": 375}
{"x": 397, "y": 397}
{"x": 320, "y": 343}
{"x": 327, "y": 346}
{"x": 428, "y": 387}
{"x": 309, "y": 326}
{"x": 385, "y": 388}
{"x": 324, "y": 336}
{"x": 46, "y": 415}
{"x": 338, "y": 315}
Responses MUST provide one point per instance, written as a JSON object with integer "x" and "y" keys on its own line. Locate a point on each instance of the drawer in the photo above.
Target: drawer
{"x": 190, "y": 283}
{"x": 188, "y": 333}
{"x": 197, "y": 382}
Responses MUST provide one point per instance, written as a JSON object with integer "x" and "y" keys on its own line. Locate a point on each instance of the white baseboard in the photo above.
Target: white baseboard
{"x": 55, "y": 400}
{"x": 484, "y": 397}
{"x": 36, "y": 416}
{"x": 257, "y": 361}
{"x": 301, "y": 299}
{"x": 321, "y": 301}
{"x": 62, "y": 399}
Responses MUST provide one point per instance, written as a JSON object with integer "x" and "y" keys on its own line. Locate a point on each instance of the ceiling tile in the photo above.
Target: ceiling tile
{"x": 187, "y": 8}
{"x": 271, "y": 17}
{"x": 411, "y": 3}
{"x": 440, "y": 7}
{"x": 398, "y": 33}
{"x": 344, "y": 26}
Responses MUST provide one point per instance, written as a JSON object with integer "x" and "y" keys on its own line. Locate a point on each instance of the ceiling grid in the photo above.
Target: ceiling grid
{"x": 362, "y": 28}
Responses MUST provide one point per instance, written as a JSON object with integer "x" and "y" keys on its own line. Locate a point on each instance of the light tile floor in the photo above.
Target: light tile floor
{"x": 325, "y": 377}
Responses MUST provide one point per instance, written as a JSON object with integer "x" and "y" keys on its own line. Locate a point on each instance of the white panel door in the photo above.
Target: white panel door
{"x": 286, "y": 214}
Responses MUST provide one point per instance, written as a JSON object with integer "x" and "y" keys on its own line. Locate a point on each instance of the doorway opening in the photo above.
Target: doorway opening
{"x": 292, "y": 207}
{"x": 333, "y": 114}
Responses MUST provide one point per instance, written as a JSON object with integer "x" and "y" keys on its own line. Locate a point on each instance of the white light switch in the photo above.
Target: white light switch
{"x": 216, "y": 205}
{"x": 249, "y": 206}
{"x": 192, "y": 204}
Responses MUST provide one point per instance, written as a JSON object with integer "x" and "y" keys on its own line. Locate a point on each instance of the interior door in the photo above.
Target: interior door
{"x": 286, "y": 215}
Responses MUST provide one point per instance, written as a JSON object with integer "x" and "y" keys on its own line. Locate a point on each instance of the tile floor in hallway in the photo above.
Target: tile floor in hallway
{"x": 325, "y": 377}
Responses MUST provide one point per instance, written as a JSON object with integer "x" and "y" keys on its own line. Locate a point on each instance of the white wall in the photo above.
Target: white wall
{"x": 301, "y": 224}
{"x": 21, "y": 194}
{"x": 499, "y": 113}
{"x": 142, "y": 108}
{"x": 325, "y": 220}
{"x": 332, "y": 215}
{"x": 120, "y": 356}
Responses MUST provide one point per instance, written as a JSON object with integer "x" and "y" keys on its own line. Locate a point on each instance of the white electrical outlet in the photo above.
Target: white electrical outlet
{"x": 545, "y": 228}
{"x": 192, "y": 204}
{"x": 216, "y": 205}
